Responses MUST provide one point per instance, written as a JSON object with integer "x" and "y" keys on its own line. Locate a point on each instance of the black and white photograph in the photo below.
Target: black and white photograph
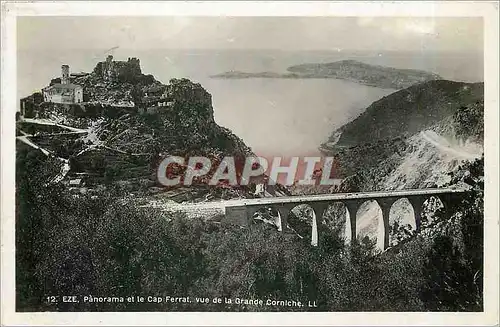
{"x": 250, "y": 163}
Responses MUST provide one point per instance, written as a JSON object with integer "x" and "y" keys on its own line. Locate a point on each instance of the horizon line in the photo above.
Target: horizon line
{"x": 333, "y": 50}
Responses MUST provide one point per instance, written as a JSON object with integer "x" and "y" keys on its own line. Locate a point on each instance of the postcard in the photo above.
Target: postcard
{"x": 250, "y": 163}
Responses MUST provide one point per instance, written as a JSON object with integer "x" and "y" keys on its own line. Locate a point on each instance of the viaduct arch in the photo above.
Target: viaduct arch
{"x": 241, "y": 212}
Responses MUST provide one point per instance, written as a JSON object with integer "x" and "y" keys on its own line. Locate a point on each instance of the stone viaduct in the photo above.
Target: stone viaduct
{"x": 242, "y": 211}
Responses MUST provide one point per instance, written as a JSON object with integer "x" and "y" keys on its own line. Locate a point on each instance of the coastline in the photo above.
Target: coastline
{"x": 264, "y": 75}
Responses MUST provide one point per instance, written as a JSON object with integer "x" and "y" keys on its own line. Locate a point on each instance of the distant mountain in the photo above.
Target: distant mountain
{"x": 406, "y": 112}
{"x": 352, "y": 70}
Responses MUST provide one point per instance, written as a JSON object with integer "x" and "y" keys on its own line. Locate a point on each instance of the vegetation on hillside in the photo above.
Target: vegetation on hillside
{"x": 103, "y": 246}
{"x": 469, "y": 122}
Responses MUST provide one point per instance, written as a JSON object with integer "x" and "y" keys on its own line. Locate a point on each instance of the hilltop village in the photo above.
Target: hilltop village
{"x": 114, "y": 124}
{"x": 117, "y": 84}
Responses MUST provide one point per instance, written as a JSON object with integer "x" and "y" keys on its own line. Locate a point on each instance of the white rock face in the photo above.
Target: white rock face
{"x": 427, "y": 163}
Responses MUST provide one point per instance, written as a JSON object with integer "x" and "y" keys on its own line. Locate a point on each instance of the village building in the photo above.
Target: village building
{"x": 28, "y": 105}
{"x": 64, "y": 92}
{"x": 155, "y": 100}
{"x": 76, "y": 182}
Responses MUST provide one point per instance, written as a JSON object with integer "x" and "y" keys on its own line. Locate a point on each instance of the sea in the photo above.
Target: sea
{"x": 275, "y": 117}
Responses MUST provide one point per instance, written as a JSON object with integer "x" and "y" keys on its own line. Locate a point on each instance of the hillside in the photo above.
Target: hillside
{"x": 406, "y": 112}
{"x": 451, "y": 125}
{"x": 412, "y": 139}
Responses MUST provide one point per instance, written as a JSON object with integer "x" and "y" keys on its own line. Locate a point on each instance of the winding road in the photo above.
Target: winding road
{"x": 65, "y": 162}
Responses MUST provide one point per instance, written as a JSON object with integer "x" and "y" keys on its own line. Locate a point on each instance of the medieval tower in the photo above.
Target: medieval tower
{"x": 64, "y": 74}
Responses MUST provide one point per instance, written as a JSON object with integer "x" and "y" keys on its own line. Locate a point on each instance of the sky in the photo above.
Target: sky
{"x": 441, "y": 34}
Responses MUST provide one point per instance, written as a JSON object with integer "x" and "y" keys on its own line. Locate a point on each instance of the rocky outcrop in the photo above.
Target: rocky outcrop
{"x": 123, "y": 71}
{"x": 190, "y": 105}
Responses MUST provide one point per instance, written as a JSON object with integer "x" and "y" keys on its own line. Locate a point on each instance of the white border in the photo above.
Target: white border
{"x": 487, "y": 10}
